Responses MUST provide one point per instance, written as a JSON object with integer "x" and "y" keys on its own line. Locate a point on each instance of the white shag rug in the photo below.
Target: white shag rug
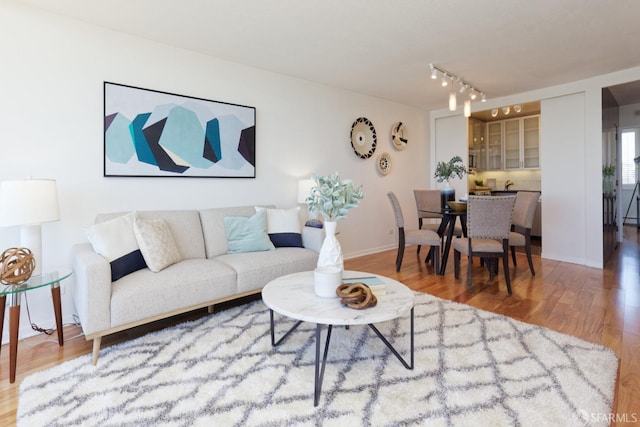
{"x": 471, "y": 368}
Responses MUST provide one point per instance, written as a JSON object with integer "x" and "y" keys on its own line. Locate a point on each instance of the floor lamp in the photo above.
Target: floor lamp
{"x": 29, "y": 203}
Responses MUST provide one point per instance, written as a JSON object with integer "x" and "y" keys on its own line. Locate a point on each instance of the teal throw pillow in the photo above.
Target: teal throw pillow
{"x": 247, "y": 234}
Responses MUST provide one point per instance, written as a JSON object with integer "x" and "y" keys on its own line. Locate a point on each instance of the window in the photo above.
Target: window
{"x": 628, "y": 172}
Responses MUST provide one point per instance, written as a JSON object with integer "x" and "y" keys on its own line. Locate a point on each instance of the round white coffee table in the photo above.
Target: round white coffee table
{"x": 292, "y": 296}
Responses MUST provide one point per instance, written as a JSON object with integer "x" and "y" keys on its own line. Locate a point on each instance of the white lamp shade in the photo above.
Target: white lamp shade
{"x": 304, "y": 189}
{"x": 28, "y": 202}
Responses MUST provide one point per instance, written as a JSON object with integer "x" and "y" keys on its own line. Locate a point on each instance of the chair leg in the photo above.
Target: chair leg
{"x": 456, "y": 264}
{"x": 436, "y": 258}
{"x": 469, "y": 288}
{"x": 418, "y": 249}
{"x": 399, "y": 257}
{"x": 513, "y": 256}
{"x": 527, "y": 249}
{"x": 505, "y": 262}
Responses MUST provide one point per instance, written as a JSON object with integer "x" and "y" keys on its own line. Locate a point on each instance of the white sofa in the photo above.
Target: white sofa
{"x": 205, "y": 275}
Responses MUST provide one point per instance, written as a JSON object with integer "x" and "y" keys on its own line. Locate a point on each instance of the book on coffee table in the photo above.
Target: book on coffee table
{"x": 374, "y": 283}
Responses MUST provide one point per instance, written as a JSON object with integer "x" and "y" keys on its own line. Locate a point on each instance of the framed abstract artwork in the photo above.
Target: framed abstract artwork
{"x": 149, "y": 133}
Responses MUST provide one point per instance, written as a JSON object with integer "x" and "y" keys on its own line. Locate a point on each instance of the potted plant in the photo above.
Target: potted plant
{"x": 333, "y": 198}
{"x": 608, "y": 174}
{"x": 446, "y": 171}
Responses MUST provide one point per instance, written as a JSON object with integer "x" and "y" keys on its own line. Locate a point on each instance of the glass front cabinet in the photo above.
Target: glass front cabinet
{"x": 509, "y": 144}
{"x": 522, "y": 143}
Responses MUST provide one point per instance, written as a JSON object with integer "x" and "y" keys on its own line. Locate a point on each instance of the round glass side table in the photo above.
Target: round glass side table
{"x": 50, "y": 278}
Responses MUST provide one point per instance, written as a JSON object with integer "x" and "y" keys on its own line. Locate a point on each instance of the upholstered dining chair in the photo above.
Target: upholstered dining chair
{"x": 413, "y": 236}
{"x": 488, "y": 227}
{"x": 430, "y": 200}
{"x": 521, "y": 223}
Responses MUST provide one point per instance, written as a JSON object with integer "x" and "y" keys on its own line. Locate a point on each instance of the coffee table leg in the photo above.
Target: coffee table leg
{"x": 57, "y": 310}
{"x": 393, "y": 350}
{"x": 3, "y": 302}
{"x": 273, "y": 333}
{"x": 319, "y": 374}
{"x": 14, "y": 324}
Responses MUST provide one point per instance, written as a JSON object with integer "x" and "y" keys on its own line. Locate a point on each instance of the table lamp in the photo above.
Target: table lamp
{"x": 304, "y": 189}
{"x": 29, "y": 203}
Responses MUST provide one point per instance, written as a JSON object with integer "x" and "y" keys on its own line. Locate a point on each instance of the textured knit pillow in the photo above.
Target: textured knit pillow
{"x": 156, "y": 243}
{"x": 115, "y": 240}
{"x": 283, "y": 226}
{"x": 247, "y": 234}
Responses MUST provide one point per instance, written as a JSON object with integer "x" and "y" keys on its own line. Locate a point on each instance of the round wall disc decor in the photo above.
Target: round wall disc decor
{"x": 384, "y": 163}
{"x": 363, "y": 138}
{"x": 399, "y": 136}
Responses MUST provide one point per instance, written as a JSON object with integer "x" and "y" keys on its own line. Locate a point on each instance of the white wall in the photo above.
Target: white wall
{"x": 51, "y": 114}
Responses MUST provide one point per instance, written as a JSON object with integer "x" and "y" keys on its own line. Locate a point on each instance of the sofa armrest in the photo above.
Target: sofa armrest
{"x": 92, "y": 291}
{"x": 312, "y": 238}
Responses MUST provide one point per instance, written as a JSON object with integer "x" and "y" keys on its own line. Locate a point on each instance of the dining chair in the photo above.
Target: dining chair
{"x": 413, "y": 236}
{"x": 521, "y": 223}
{"x": 488, "y": 228}
{"x": 427, "y": 203}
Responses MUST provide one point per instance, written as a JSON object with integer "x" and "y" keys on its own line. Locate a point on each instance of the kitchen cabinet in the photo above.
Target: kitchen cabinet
{"x": 510, "y": 144}
{"x": 522, "y": 143}
{"x": 477, "y": 145}
{"x": 494, "y": 145}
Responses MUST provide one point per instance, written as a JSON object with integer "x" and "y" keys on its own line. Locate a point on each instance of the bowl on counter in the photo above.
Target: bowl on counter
{"x": 458, "y": 206}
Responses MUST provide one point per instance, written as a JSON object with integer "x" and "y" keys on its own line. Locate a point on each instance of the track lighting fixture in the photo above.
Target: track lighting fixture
{"x": 465, "y": 86}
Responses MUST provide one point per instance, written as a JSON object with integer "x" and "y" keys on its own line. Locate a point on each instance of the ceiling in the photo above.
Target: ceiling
{"x": 383, "y": 48}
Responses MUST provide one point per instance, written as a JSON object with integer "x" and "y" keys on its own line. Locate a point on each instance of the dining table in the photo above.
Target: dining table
{"x": 446, "y": 228}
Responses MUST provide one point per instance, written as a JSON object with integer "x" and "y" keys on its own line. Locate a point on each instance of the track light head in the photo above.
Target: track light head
{"x": 434, "y": 72}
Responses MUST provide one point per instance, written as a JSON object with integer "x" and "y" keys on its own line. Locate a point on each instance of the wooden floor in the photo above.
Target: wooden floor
{"x": 600, "y": 306}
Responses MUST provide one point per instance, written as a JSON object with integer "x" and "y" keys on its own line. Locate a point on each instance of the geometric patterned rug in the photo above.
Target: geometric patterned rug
{"x": 472, "y": 367}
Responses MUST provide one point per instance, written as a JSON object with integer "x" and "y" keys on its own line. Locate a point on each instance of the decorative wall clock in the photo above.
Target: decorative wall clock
{"x": 384, "y": 163}
{"x": 363, "y": 138}
{"x": 399, "y": 135}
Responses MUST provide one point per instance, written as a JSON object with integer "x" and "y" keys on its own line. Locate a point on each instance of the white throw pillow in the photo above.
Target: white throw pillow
{"x": 283, "y": 226}
{"x": 157, "y": 243}
{"x": 116, "y": 241}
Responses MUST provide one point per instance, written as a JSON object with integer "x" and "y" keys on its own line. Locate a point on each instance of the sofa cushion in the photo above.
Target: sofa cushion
{"x": 258, "y": 268}
{"x": 156, "y": 243}
{"x": 115, "y": 240}
{"x": 185, "y": 225}
{"x": 283, "y": 227}
{"x": 191, "y": 282}
{"x": 215, "y": 238}
{"x": 247, "y": 234}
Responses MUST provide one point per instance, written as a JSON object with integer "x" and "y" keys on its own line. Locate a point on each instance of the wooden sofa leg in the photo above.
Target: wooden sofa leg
{"x": 210, "y": 309}
{"x": 96, "y": 350}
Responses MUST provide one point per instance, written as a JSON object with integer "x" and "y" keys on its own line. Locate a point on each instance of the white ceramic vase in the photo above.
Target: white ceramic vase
{"x": 330, "y": 252}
